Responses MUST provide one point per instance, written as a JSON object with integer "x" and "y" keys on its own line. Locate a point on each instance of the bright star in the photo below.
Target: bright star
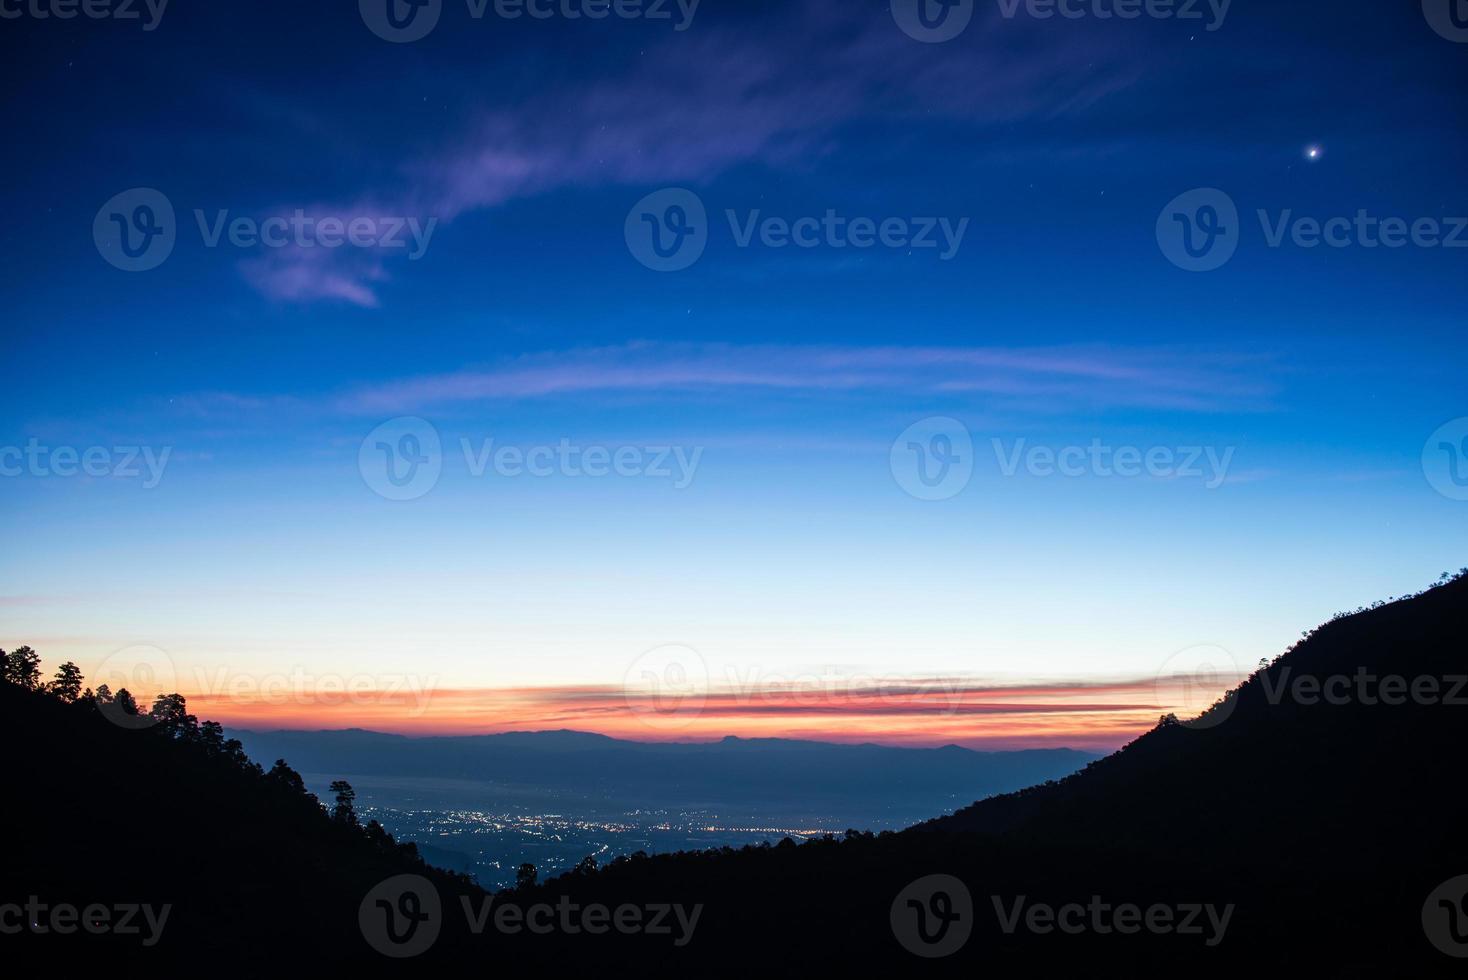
{"x": 1313, "y": 153}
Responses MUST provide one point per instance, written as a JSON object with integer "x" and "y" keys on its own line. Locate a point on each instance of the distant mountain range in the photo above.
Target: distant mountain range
{"x": 868, "y": 785}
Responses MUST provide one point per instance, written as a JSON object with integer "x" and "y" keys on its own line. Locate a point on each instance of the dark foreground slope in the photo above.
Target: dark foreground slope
{"x": 1326, "y": 824}
{"x": 1284, "y": 836}
{"x": 252, "y": 868}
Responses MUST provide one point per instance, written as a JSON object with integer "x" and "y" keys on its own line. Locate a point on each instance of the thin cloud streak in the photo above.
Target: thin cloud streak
{"x": 1092, "y": 375}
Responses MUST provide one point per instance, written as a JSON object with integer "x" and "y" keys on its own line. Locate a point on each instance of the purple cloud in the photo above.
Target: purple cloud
{"x": 774, "y": 89}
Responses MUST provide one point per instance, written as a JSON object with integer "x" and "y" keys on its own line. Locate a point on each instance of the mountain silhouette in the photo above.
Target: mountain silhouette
{"x": 1283, "y": 832}
{"x": 1329, "y": 828}
{"x": 875, "y": 784}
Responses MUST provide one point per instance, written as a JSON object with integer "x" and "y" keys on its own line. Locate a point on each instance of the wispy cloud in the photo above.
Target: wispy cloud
{"x": 773, "y": 88}
{"x": 299, "y": 275}
{"x": 1065, "y": 376}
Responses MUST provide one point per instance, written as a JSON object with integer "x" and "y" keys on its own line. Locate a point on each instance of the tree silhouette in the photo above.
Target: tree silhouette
{"x": 125, "y": 702}
{"x": 345, "y": 797}
{"x": 525, "y": 876}
{"x": 23, "y": 668}
{"x": 68, "y": 683}
{"x": 286, "y": 776}
{"x": 211, "y": 736}
{"x": 171, "y": 711}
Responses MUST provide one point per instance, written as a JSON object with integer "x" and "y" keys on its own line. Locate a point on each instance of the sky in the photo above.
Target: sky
{"x": 802, "y": 368}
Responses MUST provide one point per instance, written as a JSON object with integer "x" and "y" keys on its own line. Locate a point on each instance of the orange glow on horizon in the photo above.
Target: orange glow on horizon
{"x": 1097, "y": 716}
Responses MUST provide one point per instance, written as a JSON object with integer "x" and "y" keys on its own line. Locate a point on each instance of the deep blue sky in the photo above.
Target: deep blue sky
{"x": 1059, "y": 321}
